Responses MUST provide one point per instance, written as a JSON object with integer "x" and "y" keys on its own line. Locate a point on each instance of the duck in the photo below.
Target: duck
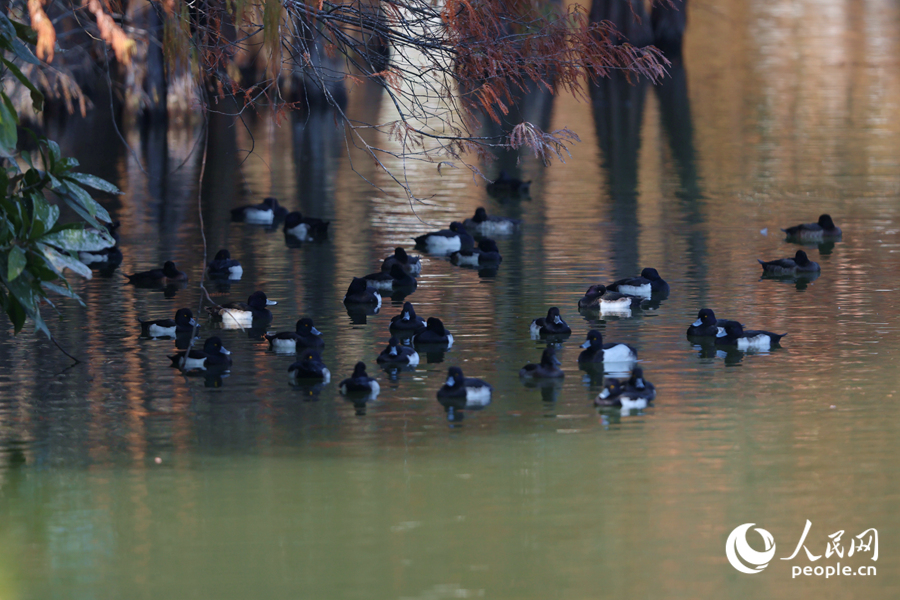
{"x": 434, "y": 333}
{"x": 184, "y": 322}
{"x": 619, "y": 395}
{"x": 360, "y": 292}
{"x": 360, "y": 384}
{"x": 486, "y": 254}
{"x": 640, "y": 387}
{"x": 823, "y": 229}
{"x": 264, "y": 213}
{"x": 552, "y": 324}
{"x": 598, "y": 297}
{"x": 790, "y": 266}
{"x": 648, "y": 283}
{"x": 305, "y": 336}
{"x": 244, "y": 313}
{"x": 407, "y": 322}
{"x": 397, "y": 354}
{"x": 548, "y": 368}
{"x": 168, "y": 274}
{"x": 446, "y": 241}
{"x": 212, "y": 355}
{"x": 490, "y": 225}
{"x": 410, "y": 264}
{"x": 596, "y": 351}
{"x": 305, "y": 228}
{"x": 223, "y": 266}
{"x": 395, "y": 279}
{"x": 506, "y": 185}
{"x": 733, "y": 334}
{"x": 706, "y": 324}
{"x": 310, "y": 366}
{"x": 460, "y": 392}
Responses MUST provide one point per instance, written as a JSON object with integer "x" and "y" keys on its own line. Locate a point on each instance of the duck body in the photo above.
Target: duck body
{"x": 446, "y": 241}
{"x": 790, "y": 266}
{"x": 463, "y": 393}
{"x": 487, "y": 254}
{"x": 551, "y": 325}
{"x": 212, "y": 355}
{"x": 223, "y": 266}
{"x": 360, "y": 384}
{"x": 434, "y": 334}
{"x": 598, "y": 297}
{"x": 168, "y": 274}
{"x": 595, "y": 351}
{"x": 407, "y": 322}
{"x": 306, "y": 229}
{"x": 619, "y": 395}
{"x": 243, "y": 313}
{"x": 310, "y": 366}
{"x": 305, "y": 336}
{"x": 822, "y": 230}
{"x": 484, "y": 224}
{"x": 707, "y": 325}
{"x": 734, "y": 334}
{"x": 548, "y": 368}
{"x": 505, "y": 185}
{"x": 396, "y": 354}
{"x": 395, "y": 279}
{"x": 264, "y": 213}
{"x": 183, "y": 322}
{"x": 360, "y": 292}
{"x": 646, "y": 285}
{"x": 410, "y": 264}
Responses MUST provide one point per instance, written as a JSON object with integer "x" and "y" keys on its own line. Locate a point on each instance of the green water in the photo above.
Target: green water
{"x": 265, "y": 490}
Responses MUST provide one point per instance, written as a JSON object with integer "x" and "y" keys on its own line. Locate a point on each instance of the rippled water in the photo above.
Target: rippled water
{"x": 263, "y": 489}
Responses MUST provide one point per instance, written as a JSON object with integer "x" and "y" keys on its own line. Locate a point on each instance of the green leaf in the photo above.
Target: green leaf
{"x": 92, "y": 181}
{"x": 8, "y": 122}
{"x": 16, "y": 313}
{"x": 89, "y": 204}
{"x": 37, "y": 98}
{"x": 59, "y": 261}
{"x": 43, "y": 216}
{"x": 61, "y": 291}
{"x": 23, "y": 52}
{"x": 24, "y": 32}
{"x": 79, "y": 240}
{"x": 66, "y": 226}
{"x": 82, "y": 212}
{"x": 16, "y": 262}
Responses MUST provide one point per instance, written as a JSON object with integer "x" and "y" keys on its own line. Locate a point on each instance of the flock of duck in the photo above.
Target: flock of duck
{"x": 624, "y": 383}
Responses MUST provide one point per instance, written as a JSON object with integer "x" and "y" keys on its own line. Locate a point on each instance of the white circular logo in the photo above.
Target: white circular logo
{"x": 739, "y": 551}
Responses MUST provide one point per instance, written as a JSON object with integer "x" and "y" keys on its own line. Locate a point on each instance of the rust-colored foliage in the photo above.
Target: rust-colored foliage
{"x": 46, "y": 35}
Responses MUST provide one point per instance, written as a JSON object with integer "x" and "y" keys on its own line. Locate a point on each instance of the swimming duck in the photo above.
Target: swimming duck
{"x": 461, "y": 392}
{"x": 637, "y": 386}
{"x": 620, "y": 395}
{"x": 548, "y": 368}
{"x": 596, "y": 351}
{"x": 305, "y": 336}
{"x": 407, "y": 322}
{"x": 410, "y": 264}
{"x": 396, "y": 354}
{"x": 648, "y": 283}
{"x": 310, "y": 366}
{"x": 360, "y": 384}
{"x": 224, "y": 266}
{"x": 434, "y": 333}
{"x": 446, "y": 241}
{"x": 212, "y": 355}
{"x": 706, "y": 324}
{"x": 790, "y": 266}
{"x": 305, "y": 228}
{"x": 168, "y": 274}
{"x": 506, "y": 185}
{"x": 264, "y": 213}
{"x": 395, "y": 279}
{"x": 490, "y": 225}
{"x": 184, "y": 322}
{"x": 360, "y": 292}
{"x": 243, "y": 313}
{"x": 733, "y": 334}
{"x": 599, "y": 297}
{"x": 551, "y": 325}
{"x": 487, "y": 254}
{"x": 824, "y": 229}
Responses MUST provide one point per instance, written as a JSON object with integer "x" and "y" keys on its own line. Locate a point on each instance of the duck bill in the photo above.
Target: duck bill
{"x": 604, "y": 394}
{"x": 193, "y": 323}
{"x": 586, "y": 344}
{"x": 224, "y": 351}
{"x": 271, "y": 303}
{"x": 315, "y": 331}
{"x": 697, "y": 323}
{"x": 451, "y": 382}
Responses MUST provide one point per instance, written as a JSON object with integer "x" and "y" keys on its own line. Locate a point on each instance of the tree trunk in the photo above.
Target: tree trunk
{"x": 669, "y": 23}
{"x": 628, "y": 16}
{"x": 156, "y": 83}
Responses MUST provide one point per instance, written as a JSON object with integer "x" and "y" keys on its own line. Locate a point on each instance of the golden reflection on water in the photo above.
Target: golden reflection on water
{"x": 787, "y": 111}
